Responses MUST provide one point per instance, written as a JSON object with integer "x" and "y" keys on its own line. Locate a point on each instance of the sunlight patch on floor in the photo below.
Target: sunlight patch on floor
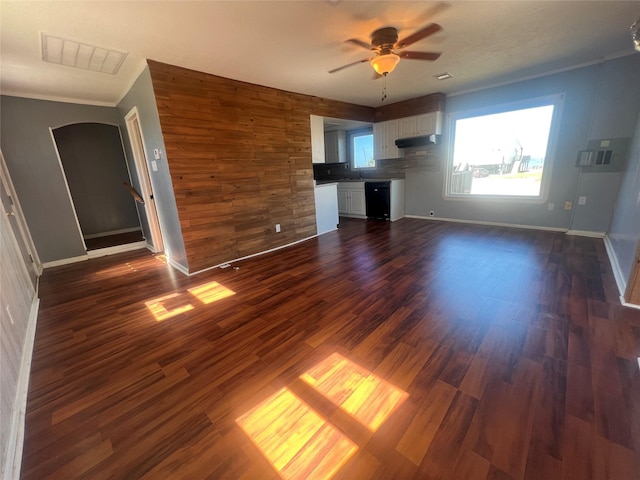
{"x": 210, "y": 292}
{"x": 176, "y": 303}
{"x": 360, "y": 393}
{"x": 298, "y": 442}
{"x": 168, "y": 306}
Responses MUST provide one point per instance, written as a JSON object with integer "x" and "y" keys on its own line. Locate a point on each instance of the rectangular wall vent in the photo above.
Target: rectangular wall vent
{"x": 77, "y": 54}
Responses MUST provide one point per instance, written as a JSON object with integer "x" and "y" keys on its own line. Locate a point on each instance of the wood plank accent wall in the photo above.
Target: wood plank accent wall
{"x": 240, "y": 161}
{"x": 427, "y": 104}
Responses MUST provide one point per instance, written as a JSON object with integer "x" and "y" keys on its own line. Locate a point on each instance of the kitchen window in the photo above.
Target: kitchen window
{"x": 361, "y": 148}
{"x": 505, "y": 152}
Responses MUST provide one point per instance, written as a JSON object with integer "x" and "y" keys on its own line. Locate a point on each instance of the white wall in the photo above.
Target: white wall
{"x": 17, "y": 321}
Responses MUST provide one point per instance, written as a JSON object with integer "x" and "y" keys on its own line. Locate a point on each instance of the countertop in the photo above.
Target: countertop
{"x": 320, "y": 183}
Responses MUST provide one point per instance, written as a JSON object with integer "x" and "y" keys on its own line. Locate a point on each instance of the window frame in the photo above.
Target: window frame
{"x": 557, "y": 100}
{"x": 361, "y": 132}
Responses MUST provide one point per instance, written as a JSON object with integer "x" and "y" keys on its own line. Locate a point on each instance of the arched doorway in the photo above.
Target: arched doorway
{"x": 95, "y": 169}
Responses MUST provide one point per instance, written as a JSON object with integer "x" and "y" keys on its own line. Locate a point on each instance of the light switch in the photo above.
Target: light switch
{"x": 154, "y": 165}
{"x": 582, "y": 200}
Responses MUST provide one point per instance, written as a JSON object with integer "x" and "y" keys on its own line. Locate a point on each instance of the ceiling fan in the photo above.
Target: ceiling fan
{"x": 388, "y": 50}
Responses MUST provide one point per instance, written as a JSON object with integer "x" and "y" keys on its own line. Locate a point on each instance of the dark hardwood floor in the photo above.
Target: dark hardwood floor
{"x": 412, "y": 350}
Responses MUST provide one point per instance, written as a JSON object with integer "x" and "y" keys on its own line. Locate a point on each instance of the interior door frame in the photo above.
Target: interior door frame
{"x": 136, "y": 140}
{"x": 23, "y": 228}
{"x": 632, "y": 293}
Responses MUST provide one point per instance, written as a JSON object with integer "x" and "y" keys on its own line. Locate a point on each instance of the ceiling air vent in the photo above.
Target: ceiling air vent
{"x": 77, "y": 54}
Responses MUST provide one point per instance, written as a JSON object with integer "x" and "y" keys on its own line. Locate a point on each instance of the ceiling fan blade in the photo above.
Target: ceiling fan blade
{"x": 360, "y": 43}
{"x": 349, "y": 65}
{"x": 419, "y": 35}
{"x": 420, "y": 55}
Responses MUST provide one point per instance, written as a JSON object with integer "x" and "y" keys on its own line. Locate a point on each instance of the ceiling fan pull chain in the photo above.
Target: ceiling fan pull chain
{"x": 384, "y": 87}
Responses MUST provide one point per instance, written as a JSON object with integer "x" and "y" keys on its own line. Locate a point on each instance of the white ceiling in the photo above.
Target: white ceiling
{"x": 291, "y": 45}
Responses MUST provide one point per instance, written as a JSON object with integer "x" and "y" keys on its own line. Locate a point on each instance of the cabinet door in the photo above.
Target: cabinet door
{"x": 391, "y": 137}
{"x": 407, "y": 127}
{"x": 331, "y": 147}
{"x": 317, "y": 138}
{"x": 343, "y": 200}
{"x": 358, "y": 204}
{"x": 341, "y": 147}
{"x": 426, "y": 124}
{"x": 379, "y": 139}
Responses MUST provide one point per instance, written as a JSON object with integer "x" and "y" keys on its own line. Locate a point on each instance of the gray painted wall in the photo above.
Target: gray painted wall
{"x": 141, "y": 96}
{"x": 614, "y": 115}
{"x": 591, "y": 107}
{"x": 95, "y": 168}
{"x": 31, "y": 158}
{"x": 624, "y": 232}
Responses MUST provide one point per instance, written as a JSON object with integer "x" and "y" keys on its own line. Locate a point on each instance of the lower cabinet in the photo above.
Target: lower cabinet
{"x": 351, "y": 201}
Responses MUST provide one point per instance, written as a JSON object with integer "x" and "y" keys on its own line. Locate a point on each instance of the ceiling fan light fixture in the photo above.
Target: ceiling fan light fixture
{"x": 384, "y": 64}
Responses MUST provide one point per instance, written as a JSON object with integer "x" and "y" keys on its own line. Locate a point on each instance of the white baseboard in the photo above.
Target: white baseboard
{"x": 101, "y": 252}
{"x": 586, "y": 233}
{"x": 112, "y": 232}
{"x": 178, "y": 267}
{"x": 629, "y": 305}
{"x": 491, "y": 224}
{"x": 621, "y": 282}
{"x": 127, "y": 247}
{"x": 15, "y": 442}
{"x": 253, "y": 255}
{"x": 65, "y": 261}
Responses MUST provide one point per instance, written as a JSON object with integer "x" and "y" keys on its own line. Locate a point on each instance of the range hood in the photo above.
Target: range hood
{"x": 417, "y": 141}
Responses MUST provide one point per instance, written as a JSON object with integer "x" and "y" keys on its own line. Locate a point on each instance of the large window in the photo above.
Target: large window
{"x": 503, "y": 153}
{"x": 361, "y": 148}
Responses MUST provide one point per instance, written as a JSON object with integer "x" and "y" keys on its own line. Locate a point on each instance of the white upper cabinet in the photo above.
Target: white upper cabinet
{"x": 317, "y": 139}
{"x": 385, "y": 135}
{"x": 419, "y": 125}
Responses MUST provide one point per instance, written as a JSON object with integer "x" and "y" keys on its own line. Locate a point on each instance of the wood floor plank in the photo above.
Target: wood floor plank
{"x": 440, "y": 457}
{"x": 471, "y": 466}
{"x": 425, "y": 424}
{"x": 507, "y": 347}
{"x": 513, "y": 446}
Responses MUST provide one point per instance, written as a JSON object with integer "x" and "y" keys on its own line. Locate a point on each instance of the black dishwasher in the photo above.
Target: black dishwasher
{"x": 378, "y": 199}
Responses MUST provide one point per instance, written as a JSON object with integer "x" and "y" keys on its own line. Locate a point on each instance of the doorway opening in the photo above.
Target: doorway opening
{"x": 144, "y": 179}
{"x": 99, "y": 184}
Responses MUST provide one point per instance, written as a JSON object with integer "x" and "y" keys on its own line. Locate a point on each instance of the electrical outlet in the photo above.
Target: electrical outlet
{"x": 568, "y": 205}
{"x": 550, "y": 206}
{"x": 278, "y": 228}
{"x": 582, "y": 200}
{"x": 156, "y": 153}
